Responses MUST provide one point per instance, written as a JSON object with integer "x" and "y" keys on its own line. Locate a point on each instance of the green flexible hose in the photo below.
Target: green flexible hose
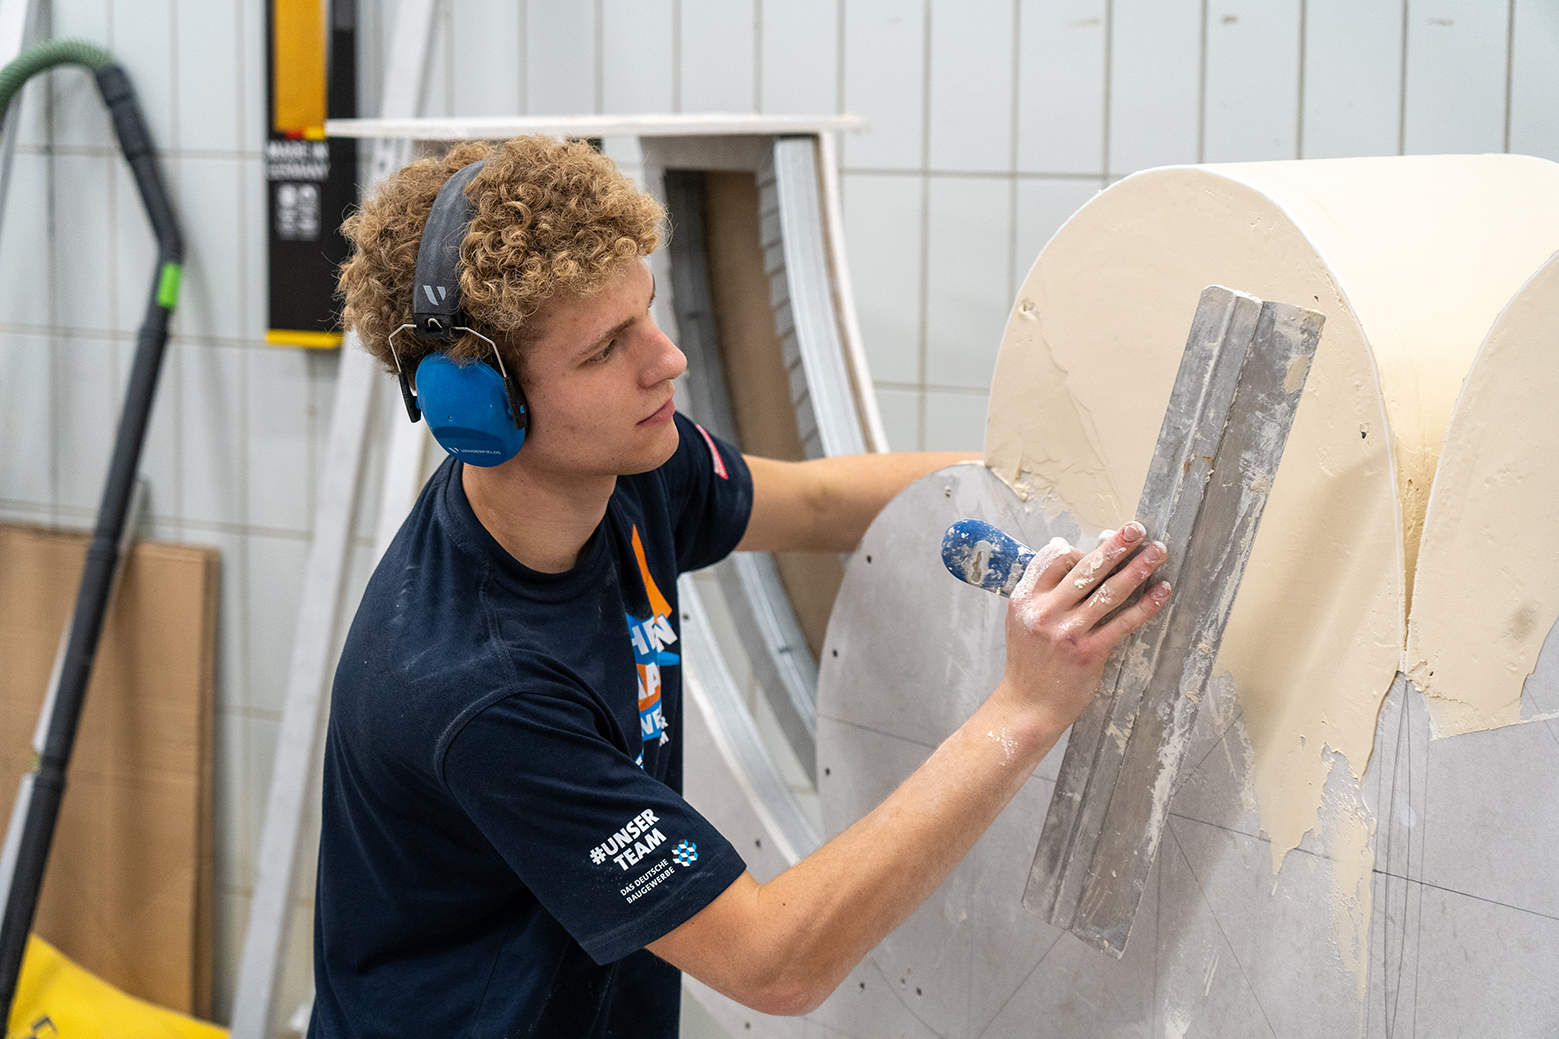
{"x": 45, "y": 56}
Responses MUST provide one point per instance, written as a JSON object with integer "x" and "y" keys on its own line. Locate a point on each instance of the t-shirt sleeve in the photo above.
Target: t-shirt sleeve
{"x": 710, "y": 492}
{"x": 615, "y": 855}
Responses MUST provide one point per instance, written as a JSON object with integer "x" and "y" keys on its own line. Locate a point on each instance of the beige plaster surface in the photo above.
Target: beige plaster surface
{"x": 1410, "y": 259}
{"x": 1487, "y": 587}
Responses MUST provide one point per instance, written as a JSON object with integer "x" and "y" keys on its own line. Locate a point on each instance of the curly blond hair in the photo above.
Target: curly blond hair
{"x": 552, "y": 218}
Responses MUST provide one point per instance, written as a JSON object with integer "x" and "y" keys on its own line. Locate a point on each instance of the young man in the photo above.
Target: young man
{"x": 505, "y": 850}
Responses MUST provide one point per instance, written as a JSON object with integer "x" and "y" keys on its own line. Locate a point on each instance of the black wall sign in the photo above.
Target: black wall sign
{"x": 311, "y": 181}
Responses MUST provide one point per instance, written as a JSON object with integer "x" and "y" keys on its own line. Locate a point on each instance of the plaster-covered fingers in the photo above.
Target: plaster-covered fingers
{"x": 1118, "y": 587}
{"x": 1050, "y": 564}
{"x": 1096, "y": 565}
{"x": 1129, "y": 620}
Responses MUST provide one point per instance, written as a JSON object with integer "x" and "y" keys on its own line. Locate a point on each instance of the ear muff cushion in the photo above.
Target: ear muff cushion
{"x": 467, "y": 410}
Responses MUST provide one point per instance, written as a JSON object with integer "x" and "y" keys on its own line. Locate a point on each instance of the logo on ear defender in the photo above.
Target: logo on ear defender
{"x": 430, "y": 289}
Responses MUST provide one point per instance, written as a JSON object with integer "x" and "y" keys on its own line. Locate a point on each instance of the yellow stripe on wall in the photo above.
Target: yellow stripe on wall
{"x": 298, "y": 57}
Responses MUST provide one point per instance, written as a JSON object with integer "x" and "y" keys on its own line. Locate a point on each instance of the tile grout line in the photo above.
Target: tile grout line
{"x": 1014, "y": 130}
{"x": 839, "y": 84}
{"x": 1201, "y": 91}
{"x": 1510, "y": 62}
{"x": 600, "y": 55}
{"x": 522, "y": 77}
{"x": 1299, "y": 122}
{"x": 1109, "y": 94}
{"x": 1402, "y": 86}
{"x": 907, "y": 171}
{"x": 757, "y": 56}
{"x": 924, "y": 305}
{"x": 676, "y": 55}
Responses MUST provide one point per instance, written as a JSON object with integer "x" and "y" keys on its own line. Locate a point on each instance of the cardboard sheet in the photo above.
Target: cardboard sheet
{"x": 128, "y": 893}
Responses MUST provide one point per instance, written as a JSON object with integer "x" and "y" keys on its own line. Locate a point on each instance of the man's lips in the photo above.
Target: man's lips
{"x": 662, "y": 414}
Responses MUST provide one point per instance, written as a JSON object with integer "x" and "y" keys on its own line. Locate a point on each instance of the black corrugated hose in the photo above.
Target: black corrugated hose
{"x": 48, "y": 778}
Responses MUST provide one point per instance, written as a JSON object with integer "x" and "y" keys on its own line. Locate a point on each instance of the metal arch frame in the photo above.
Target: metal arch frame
{"x": 802, "y": 293}
{"x": 775, "y": 645}
{"x": 814, "y": 315}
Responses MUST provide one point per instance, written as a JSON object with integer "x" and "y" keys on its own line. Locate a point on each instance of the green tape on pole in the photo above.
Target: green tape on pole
{"x": 168, "y": 284}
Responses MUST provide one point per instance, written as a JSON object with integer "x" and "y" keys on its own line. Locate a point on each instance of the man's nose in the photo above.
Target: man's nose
{"x": 668, "y": 361}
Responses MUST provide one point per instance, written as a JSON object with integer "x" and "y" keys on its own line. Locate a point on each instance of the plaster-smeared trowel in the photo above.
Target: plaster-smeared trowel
{"x": 1230, "y": 411}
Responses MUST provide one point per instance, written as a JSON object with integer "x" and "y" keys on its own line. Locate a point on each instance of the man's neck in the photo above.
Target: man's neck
{"x": 542, "y": 523}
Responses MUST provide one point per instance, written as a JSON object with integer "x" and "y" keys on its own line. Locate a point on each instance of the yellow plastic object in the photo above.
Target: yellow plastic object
{"x": 56, "y": 999}
{"x": 298, "y": 52}
{"x": 298, "y": 337}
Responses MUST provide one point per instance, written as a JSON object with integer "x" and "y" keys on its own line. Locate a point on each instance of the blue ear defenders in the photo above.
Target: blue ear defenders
{"x": 474, "y": 410}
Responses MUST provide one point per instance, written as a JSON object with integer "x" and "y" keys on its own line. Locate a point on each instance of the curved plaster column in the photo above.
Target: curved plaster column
{"x": 1486, "y": 592}
{"x": 1410, "y": 259}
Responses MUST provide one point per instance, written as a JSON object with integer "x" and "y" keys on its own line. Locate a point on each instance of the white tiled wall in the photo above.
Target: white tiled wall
{"x": 993, "y": 120}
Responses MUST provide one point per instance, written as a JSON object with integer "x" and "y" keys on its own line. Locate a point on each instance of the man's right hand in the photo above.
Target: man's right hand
{"x": 783, "y": 946}
{"x": 1059, "y": 625}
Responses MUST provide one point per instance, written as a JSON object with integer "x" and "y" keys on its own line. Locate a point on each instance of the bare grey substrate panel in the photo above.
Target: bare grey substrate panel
{"x": 1468, "y": 828}
{"x": 773, "y": 640}
{"x": 796, "y": 260}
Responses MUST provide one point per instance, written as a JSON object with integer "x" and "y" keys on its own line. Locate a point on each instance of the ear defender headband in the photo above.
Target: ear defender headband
{"x": 474, "y": 410}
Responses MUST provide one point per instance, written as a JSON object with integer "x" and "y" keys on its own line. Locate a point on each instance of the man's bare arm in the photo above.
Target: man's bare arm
{"x": 826, "y": 505}
{"x": 782, "y": 947}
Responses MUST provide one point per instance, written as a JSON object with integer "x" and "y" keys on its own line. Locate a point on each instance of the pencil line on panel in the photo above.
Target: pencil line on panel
{"x": 1244, "y": 976}
{"x": 1391, "y": 996}
{"x": 1218, "y": 739}
{"x": 1418, "y": 930}
{"x": 1524, "y": 910}
{"x": 879, "y": 732}
{"x": 1019, "y": 986}
{"x": 1240, "y": 833}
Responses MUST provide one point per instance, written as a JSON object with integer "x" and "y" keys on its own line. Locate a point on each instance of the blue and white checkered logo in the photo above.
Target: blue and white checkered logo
{"x": 686, "y": 853}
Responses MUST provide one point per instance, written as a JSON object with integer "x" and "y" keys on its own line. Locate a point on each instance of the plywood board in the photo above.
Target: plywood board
{"x": 756, "y": 383}
{"x": 128, "y": 892}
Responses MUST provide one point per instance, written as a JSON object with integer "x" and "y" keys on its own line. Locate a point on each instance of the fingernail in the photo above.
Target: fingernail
{"x": 1153, "y": 553}
{"x": 1161, "y": 591}
{"x": 1133, "y": 531}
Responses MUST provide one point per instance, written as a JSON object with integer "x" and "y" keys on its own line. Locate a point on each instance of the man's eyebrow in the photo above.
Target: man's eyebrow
{"x": 606, "y": 336}
{"x": 616, "y": 329}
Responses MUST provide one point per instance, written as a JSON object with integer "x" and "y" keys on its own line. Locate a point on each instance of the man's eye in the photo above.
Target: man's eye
{"x": 604, "y": 353}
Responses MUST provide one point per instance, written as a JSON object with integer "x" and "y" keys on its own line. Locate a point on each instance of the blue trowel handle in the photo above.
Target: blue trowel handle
{"x": 985, "y": 556}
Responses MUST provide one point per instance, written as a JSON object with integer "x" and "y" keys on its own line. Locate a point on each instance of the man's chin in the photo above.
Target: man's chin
{"x": 655, "y": 455}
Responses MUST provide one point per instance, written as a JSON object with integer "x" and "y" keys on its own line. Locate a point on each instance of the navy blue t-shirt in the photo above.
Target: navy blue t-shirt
{"x": 503, "y": 828}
